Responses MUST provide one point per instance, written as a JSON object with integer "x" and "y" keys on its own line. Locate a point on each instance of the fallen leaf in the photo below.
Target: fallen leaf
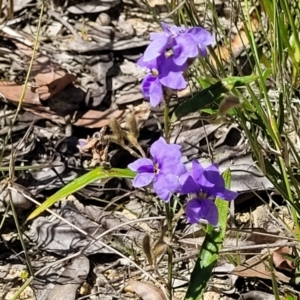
{"x": 281, "y": 261}
{"x": 49, "y": 78}
{"x": 97, "y": 119}
{"x": 55, "y": 86}
{"x": 258, "y": 267}
{"x": 12, "y": 93}
{"x": 147, "y": 291}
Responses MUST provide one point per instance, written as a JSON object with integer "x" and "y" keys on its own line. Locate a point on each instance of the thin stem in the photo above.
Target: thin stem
{"x": 169, "y": 215}
{"x": 166, "y": 120}
{"x": 170, "y": 249}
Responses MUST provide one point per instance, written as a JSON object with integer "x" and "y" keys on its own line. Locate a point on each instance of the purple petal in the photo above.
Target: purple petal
{"x": 176, "y": 30}
{"x": 169, "y": 74}
{"x": 167, "y": 157}
{"x": 151, "y": 64}
{"x": 167, "y": 65}
{"x": 185, "y": 48}
{"x": 197, "y": 170}
{"x": 226, "y": 194}
{"x": 172, "y": 182}
{"x": 211, "y": 178}
{"x": 155, "y": 92}
{"x": 142, "y": 165}
{"x": 156, "y": 35}
{"x": 157, "y": 47}
{"x": 212, "y": 183}
{"x": 193, "y": 211}
{"x": 165, "y": 27}
{"x": 161, "y": 188}
{"x": 143, "y": 179}
{"x": 201, "y": 36}
{"x": 188, "y": 184}
{"x": 197, "y": 209}
{"x": 173, "y": 80}
{"x": 146, "y": 84}
{"x": 210, "y": 212}
{"x": 162, "y": 151}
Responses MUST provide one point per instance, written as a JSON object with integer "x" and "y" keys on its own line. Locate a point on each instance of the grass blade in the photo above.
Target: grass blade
{"x": 96, "y": 174}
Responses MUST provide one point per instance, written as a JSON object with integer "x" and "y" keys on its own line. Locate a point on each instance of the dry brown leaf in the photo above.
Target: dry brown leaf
{"x": 47, "y": 74}
{"x": 280, "y": 261}
{"x": 258, "y": 267}
{"x": 49, "y": 78}
{"x": 12, "y": 93}
{"x": 98, "y": 119}
{"x": 147, "y": 291}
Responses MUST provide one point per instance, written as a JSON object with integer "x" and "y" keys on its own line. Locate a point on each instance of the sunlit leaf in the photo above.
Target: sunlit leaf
{"x": 101, "y": 173}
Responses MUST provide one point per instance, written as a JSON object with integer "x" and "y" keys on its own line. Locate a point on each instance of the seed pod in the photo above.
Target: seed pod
{"x": 228, "y": 103}
{"x": 147, "y": 248}
{"x": 116, "y": 129}
{"x": 132, "y": 125}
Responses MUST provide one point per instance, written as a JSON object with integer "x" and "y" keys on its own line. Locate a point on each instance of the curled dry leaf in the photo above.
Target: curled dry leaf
{"x": 147, "y": 291}
{"x": 283, "y": 259}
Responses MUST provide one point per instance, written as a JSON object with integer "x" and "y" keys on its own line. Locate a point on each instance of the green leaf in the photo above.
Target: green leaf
{"x": 207, "y": 96}
{"x": 101, "y": 173}
{"x": 210, "y": 249}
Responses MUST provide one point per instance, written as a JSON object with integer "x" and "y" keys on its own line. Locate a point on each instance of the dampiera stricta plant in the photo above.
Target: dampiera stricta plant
{"x": 168, "y": 175}
{"x": 167, "y": 58}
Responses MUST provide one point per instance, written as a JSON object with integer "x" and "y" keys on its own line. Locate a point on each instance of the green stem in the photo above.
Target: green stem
{"x": 166, "y": 120}
{"x": 170, "y": 249}
{"x": 167, "y": 205}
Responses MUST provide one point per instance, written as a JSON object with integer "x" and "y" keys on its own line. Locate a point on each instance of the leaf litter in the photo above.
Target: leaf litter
{"x": 84, "y": 74}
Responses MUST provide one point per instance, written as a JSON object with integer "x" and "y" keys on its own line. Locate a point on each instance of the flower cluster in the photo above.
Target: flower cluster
{"x": 168, "y": 56}
{"x": 168, "y": 175}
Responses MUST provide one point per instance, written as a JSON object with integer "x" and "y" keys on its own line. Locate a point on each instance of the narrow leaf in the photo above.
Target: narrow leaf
{"x": 79, "y": 183}
{"x": 211, "y": 94}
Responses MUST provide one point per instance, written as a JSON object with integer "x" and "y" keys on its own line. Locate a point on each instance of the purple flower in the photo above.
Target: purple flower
{"x": 197, "y": 209}
{"x": 208, "y": 183}
{"x": 163, "y": 170}
{"x": 206, "y": 180}
{"x": 184, "y": 43}
{"x": 164, "y": 72}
